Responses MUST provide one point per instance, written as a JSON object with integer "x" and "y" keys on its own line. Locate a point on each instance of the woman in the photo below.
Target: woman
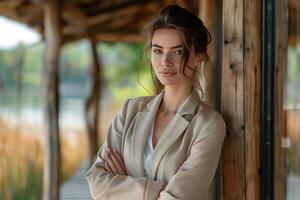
{"x": 165, "y": 146}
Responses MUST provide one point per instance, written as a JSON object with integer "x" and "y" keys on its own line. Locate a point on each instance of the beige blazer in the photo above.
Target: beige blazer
{"x": 186, "y": 156}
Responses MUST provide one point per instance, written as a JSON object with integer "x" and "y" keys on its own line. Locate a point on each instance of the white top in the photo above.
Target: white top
{"x": 148, "y": 153}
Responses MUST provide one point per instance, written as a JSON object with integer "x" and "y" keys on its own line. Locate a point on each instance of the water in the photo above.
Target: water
{"x": 71, "y": 114}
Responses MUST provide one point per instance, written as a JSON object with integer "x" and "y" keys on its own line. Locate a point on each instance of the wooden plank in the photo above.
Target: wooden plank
{"x": 75, "y": 17}
{"x": 52, "y": 161}
{"x": 232, "y": 101}
{"x": 109, "y": 37}
{"x": 106, "y": 18}
{"x": 76, "y": 187}
{"x": 281, "y": 67}
{"x": 207, "y": 13}
{"x": 189, "y": 5}
{"x": 92, "y": 103}
{"x": 134, "y": 38}
{"x": 252, "y": 96}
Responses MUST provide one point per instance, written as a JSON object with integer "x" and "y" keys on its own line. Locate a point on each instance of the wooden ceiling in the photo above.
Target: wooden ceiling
{"x": 104, "y": 20}
{"x": 111, "y": 20}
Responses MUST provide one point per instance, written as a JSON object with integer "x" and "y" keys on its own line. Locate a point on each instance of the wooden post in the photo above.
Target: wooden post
{"x": 281, "y": 67}
{"x": 51, "y": 99}
{"x": 232, "y": 105}
{"x": 241, "y": 99}
{"x": 207, "y": 13}
{"x": 252, "y": 96}
{"x": 92, "y": 103}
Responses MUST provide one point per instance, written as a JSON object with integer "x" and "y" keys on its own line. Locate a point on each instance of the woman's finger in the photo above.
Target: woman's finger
{"x": 111, "y": 164}
{"x": 119, "y": 157}
{"x": 107, "y": 167}
{"x": 116, "y": 162}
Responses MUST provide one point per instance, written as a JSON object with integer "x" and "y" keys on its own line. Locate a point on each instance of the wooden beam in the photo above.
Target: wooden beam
{"x": 107, "y": 17}
{"x": 101, "y": 7}
{"x": 96, "y": 6}
{"x": 252, "y": 96}
{"x": 8, "y": 9}
{"x": 133, "y": 38}
{"x": 112, "y": 25}
{"x": 75, "y": 17}
{"x": 280, "y": 80}
{"x": 295, "y": 4}
{"x": 232, "y": 101}
{"x": 189, "y": 5}
{"x": 9, "y": 4}
{"x": 27, "y": 9}
{"x": 52, "y": 162}
{"x": 207, "y": 13}
{"x": 92, "y": 103}
{"x": 114, "y": 36}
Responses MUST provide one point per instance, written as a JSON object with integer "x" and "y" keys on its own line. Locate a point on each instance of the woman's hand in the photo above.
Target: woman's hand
{"x": 114, "y": 162}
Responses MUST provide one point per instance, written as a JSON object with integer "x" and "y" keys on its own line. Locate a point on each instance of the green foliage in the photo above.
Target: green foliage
{"x": 294, "y": 65}
{"x": 293, "y": 76}
{"x": 18, "y": 187}
{"x": 121, "y": 65}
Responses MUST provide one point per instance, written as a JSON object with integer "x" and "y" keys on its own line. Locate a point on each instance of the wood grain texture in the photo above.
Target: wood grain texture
{"x": 280, "y": 78}
{"x": 207, "y": 13}
{"x": 233, "y": 101}
{"x": 252, "y": 96}
{"x": 92, "y": 103}
{"x": 52, "y": 161}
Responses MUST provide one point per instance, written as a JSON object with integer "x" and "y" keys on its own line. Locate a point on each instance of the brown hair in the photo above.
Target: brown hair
{"x": 193, "y": 32}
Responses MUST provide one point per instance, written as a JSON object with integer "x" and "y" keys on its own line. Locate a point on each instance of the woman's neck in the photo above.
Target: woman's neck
{"x": 173, "y": 98}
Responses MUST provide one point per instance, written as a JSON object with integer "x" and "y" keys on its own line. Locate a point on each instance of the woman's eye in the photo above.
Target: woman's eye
{"x": 178, "y": 52}
{"x": 157, "y": 51}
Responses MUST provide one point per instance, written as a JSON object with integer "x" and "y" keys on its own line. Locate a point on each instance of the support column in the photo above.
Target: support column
{"x": 280, "y": 80}
{"x": 207, "y": 13}
{"x": 52, "y": 163}
{"x": 210, "y": 84}
{"x": 232, "y": 106}
{"x": 252, "y": 96}
{"x": 92, "y": 103}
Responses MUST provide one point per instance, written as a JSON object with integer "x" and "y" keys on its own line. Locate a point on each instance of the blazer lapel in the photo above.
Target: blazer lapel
{"x": 175, "y": 128}
{"x": 141, "y": 132}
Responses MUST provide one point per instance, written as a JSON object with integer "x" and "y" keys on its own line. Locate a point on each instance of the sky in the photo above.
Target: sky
{"x": 12, "y": 32}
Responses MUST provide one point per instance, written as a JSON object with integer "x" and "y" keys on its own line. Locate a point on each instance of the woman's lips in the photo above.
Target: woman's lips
{"x": 167, "y": 74}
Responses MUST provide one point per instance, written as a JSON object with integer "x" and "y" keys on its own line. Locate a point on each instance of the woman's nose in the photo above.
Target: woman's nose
{"x": 166, "y": 60}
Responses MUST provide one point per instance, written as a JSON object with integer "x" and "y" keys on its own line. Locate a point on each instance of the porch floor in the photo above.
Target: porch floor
{"x": 76, "y": 187}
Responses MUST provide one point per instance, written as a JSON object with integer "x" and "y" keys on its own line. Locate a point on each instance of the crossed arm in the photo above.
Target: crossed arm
{"x": 114, "y": 164}
{"x": 108, "y": 178}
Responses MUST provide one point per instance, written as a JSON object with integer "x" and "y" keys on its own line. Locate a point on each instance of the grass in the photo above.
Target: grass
{"x": 22, "y": 155}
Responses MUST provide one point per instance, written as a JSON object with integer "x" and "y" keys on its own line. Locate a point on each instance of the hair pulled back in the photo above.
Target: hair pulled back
{"x": 193, "y": 33}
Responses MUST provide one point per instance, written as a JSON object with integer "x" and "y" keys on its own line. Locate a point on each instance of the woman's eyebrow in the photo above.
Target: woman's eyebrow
{"x": 174, "y": 47}
{"x": 156, "y": 45}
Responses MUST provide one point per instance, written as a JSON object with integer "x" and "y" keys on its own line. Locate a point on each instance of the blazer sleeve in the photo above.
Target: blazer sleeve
{"x": 193, "y": 178}
{"x": 104, "y": 185}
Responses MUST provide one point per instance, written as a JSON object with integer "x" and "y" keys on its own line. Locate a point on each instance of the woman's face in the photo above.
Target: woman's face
{"x": 166, "y": 56}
